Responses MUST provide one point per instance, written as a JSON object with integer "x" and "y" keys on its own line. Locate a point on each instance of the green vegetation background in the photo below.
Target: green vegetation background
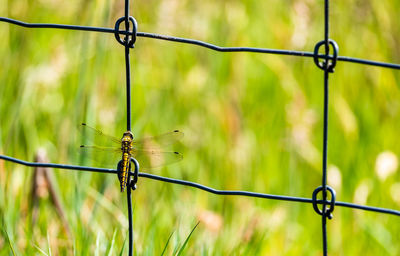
{"x": 251, "y": 122}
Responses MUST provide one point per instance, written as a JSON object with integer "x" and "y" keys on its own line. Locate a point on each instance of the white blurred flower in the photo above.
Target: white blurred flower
{"x": 335, "y": 177}
{"x": 386, "y": 164}
{"x": 277, "y": 218}
{"x": 48, "y": 73}
{"x": 302, "y": 22}
{"x": 211, "y": 220}
{"x": 395, "y": 192}
{"x": 362, "y": 192}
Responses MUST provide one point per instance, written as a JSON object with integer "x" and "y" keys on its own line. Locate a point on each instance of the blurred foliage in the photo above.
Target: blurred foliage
{"x": 251, "y": 122}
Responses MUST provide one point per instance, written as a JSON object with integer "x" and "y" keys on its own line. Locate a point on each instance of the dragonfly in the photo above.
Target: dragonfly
{"x": 149, "y": 152}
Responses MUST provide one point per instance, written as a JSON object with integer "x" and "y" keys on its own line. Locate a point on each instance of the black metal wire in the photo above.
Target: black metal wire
{"x": 328, "y": 64}
{"x": 200, "y": 43}
{"x": 128, "y": 120}
{"x": 128, "y": 89}
{"x": 58, "y": 166}
{"x": 325, "y": 130}
{"x": 128, "y": 69}
{"x": 130, "y": 219}
{"x": 202, "y": 187}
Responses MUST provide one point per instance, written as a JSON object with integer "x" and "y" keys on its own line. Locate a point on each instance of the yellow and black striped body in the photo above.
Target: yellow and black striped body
{"x": 126, "y": 147}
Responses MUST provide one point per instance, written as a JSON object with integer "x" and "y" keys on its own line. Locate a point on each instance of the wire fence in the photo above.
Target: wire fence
{"x": 326, "y": 62}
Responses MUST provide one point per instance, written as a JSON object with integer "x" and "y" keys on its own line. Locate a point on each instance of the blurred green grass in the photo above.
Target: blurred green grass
{"x": 251, "y": 122}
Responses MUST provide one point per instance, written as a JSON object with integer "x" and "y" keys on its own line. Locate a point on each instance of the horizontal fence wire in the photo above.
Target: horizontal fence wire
{"x": 201, "y": 187}
{"x": 200, "y": 43}
{"x": 327, "y": 65}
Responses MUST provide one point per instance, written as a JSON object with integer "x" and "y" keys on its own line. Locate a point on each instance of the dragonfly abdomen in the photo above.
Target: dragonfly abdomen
{"x": 125, "y": 168}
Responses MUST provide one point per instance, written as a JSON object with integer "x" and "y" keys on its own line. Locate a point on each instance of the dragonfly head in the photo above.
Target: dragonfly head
{"x": 128, "y": 136}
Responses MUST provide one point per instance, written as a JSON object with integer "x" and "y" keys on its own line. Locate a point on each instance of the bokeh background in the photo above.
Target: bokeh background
{"x": 251, "y": 122}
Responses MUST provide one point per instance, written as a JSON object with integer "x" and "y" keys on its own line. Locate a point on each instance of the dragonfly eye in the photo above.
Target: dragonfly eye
{"x": 129, "y": 134}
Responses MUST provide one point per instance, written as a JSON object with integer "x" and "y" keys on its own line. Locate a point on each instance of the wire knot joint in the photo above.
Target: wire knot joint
{"x": 130, "y": 36}
{"x": 135, "y": 174}
{"x": 132, "y": 177}
{"x": 326, "y": 211}
{"x": 329, "y": 62}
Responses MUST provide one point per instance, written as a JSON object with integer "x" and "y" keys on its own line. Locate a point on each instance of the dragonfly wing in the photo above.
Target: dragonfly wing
{"x": 107, "y": 149}
{"x": 97, "y": 137}
{"x": 102, "y": 149}
{"x": 149, "y": 159}
{"x": 103, "y": 156}
{"x": 156, "y": 142}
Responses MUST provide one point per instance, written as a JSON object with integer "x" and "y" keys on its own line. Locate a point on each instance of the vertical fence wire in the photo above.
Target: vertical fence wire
{"x": 325, "y": 128}
{"x": 128, "y": 70}
{"x": 130, "y": 218}
{"x": 128, "y": 121}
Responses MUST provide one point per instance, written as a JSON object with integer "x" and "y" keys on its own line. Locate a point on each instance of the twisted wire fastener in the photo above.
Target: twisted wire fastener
{"x": 328, "y": 211}
{"x": 331, "y": 62}
{"x": 132, "y": 183}
{"x": 131, "y": 36}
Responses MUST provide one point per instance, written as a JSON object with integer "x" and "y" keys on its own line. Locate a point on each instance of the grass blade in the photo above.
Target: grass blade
{"x": 187, "y": 240}
{"x": 48, "y": 242}
{"x": 40, "y": 250}
{"x": 9, "y": 242}
{"x": 96, "y": 252}
{"x": 112, "y": 244}
{"x": 123, "y": 246}
{"x": 166, "y": 245}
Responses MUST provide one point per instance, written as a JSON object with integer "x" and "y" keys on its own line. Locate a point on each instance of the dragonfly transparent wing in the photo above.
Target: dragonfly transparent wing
{"x": 102, "y": 156}
{"x": 103, "y": 149}
{"x": 157, "y": 142}
{"x": 150, "y": 152}
{"x": 98, "y": 138}
{"x": 149, "y": 159}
